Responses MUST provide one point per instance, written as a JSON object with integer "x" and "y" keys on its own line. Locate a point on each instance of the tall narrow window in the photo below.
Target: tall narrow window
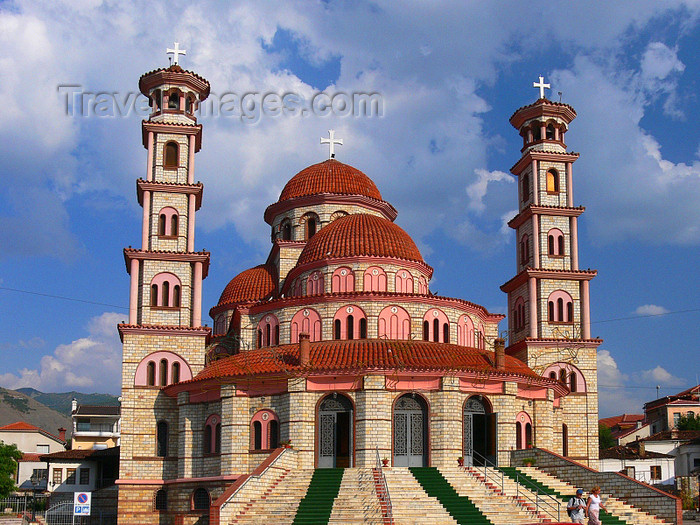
{"x": 286, "y": 230}
{"x": 162, "y": 439}
{"x": 260, "y": 338}
{"x": 161, "y": 500}
{"x": 163, "y": 372}
{"x": 175, "y": 372}
{"x": 525, "y": 187}
{"x": 560, "y": 244}
{"x": 173, "y": 225}
{"x": 274, "y": 434}
{"x": 552, "y": 181}
{"x": 560, "y": 309}
{"x": 569, "y": 312}
{"x": 188, "y": 104}
{"x": 151, "y": 374}
{"x": 268, "y": 330}
{"x": 446, "y": 333}
{"x": 161, "y": 224}
{"x": 154, "y": 295}
{"x": 436, "y": 330}
{"x": 550, "y": 244}
{"x": 336, "y": 329}
{"x": 564, "y": 440}
{"x": 174, "y": 101}
{"x": 277, "y": 335}
{"x": 426, "y": 330}
{"x": 257, "y": 435}
{"x": 550, "y": 132}
{"x": 573, "y": 384}
{"x": 200, "y": 499}
{"x": 363, "y": 328}
{"x": 207, "y": 439}
{"x": 351, "y": 327}
{"x": 166, "y": 293}
{"x": 170, "y": 155}
{"x": 311, "y": 228}
{"x": 176, "y": 296}
{"x": 562, "y": 375}
{"x": 217, "y": 438}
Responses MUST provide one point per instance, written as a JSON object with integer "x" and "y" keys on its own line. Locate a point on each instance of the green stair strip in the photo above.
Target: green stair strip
{"x": 316, "y": 506}
{"x": 605, "y": 517}
{"x": 459, "y": 507}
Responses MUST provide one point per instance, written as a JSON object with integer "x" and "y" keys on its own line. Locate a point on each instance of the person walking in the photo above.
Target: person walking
{"x": 576, "y": 508}
{"x": 593, "y": 506}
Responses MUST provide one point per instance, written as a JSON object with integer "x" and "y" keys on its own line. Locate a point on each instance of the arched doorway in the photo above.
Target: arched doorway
{"x": 479, "y": 431}
{"x": 410, "y": 432}
{"x": 335, "y": 432}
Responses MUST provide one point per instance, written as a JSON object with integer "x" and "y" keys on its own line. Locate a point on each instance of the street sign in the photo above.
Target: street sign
{"x": 81, "y": 503}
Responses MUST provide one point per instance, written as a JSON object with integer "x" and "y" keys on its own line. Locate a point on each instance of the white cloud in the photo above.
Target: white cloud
{"x": 477, "y": 189}
{"x": 662, "y": 377}
{"x": 659, "y": 61}
{"x": 89, "y": 363}
{"x": 651, "y": 309}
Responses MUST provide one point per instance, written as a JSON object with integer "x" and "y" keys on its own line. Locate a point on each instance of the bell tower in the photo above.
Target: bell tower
{"x": 164, "y": 341}
{"x": 549, "y": 299}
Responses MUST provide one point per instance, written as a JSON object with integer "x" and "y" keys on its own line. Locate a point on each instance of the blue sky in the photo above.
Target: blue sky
{"x": 450, "y": 74}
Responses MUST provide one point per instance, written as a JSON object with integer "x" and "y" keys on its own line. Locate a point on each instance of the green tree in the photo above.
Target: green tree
{"x": 9, "y": 456}
{"x": 689, "y": 422}
{"x": 605, "y": 439}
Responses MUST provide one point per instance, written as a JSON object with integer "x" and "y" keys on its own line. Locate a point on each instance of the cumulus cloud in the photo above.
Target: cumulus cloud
{"x": 650, "y": 309}
{"x": 662, "y": 377}
{"x": 477, "y": 189}
{"x": 89, "y": 363}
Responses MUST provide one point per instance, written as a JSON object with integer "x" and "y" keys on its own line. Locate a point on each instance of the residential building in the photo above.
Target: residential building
{"x": 664, "y": 413}
{"x": 95, "y": 426}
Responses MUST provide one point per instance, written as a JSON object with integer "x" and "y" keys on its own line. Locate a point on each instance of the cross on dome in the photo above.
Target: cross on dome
{"x": 542, "y": 86}
{"x": 175, "y": 52}
{"x": 331, "y": 141}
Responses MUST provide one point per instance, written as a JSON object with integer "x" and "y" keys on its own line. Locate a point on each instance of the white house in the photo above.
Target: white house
{"x": 639, "y": 463}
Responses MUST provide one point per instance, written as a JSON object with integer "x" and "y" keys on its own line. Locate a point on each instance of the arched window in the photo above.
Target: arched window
{"x": 375, "y": 279}
{"x": 268, "y": 331}
{"x": 438, "y": 325}
{"x": 422, "y": 285}
{"x": 257, "y": 435}
{"x": 200, "y": 499}
{"x": 426, "y": 331}
{"x": 306, "y": 321}
{"x": 480, "y": 337}
{"x": 552, "y": 181}
{"x": 163, "y": 372}
{"x": 265, "y": 430}
{"x": 171, "y": 154}
{"x": 165, "y": 286}
{"x": 522, "y": 422}
{"x": 562, "y": 375}
{"x": 404, "y": 282}
{"x": 550, "y": 132}
{"x": 176, "y": 296}
{"x": 161, "y": 287}
{"x": 524, "y": 249}
{"x": 151, "y": 374}
{"x": 167, "y": 222}
{"x": 162, "y": 220}
{"x": 394, "y": 323}
{"x": 286, "y": 230}
{"x": 212, "y": 435}
{"x": 175, "y": 373}
{"x": 343, "y": 280}
{"x": 156, "y": 100}
{"x": 555, "y": 242}
{"x": 160, "y": 363}
{"x": 314, "y": 283}
{"x": 174, "y": 100}
{"x": 519, "y": 314}
{"x": 160, "y": 501}
{"x": 154, "y": 295}
{"x": 525, "y": 187}
{"x": 188, "y": 104}
{"x": 274, "y": 433}
{"x": 161, "y": 439}
{"x": 311, "y": 224}
{"x": 560, "y": 307}
{"x": 564, "y": 440}
{"x": 174, "y": 225}
{"x": 338, "y": 214}
{"x": 536, "y": 131}
{"x": 347, "y": 322}
{"x": 465, "y": 331}
{"x": 573, "y": 382}
{"x": 567, "y": 374}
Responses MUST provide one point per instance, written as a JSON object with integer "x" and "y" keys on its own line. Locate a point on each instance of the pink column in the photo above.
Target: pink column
{"x": 535, "y": 184}
{"x": 532, "y": 293}
{"x": 145, "y": 226}
{"x": 134, "y": 292}
{"x": 543, "y": 131}
{"x": 190, "y": 162}
{"x": 190, "y": 223}
{"x": 149, "y": 165}
{"x": 536, "y": 241}
{"x": 573, "y": 226}
{"x": 569, "y": 185}
{"x": 585, "y": 310}
{"x": 556, "y": 132}
{"x": 197, "y": 295}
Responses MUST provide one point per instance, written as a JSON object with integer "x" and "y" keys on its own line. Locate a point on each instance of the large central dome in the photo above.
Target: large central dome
{"x": 332, "y": 177}
{"x": 360, "y": 234}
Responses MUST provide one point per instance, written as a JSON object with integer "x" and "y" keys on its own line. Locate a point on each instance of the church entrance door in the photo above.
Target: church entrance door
{"x": 335, "y": 432}
{"x": 479, "y": 432}
{"x": 410, "y": 432}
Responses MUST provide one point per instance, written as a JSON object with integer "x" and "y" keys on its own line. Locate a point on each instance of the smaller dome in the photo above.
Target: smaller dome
{"x": 330, "y": 176}
{"x": 360, "y": 234}
{"x": 250, "y": 285}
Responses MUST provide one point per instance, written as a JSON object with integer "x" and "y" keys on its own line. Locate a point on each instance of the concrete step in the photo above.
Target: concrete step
{"x": 410, "y": 504}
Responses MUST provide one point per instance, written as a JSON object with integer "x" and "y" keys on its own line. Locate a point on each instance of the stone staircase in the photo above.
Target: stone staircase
{"x": 357, "y": 500}
{"x": 410, "y": 504}
{"x": 279, "y": 502}
{"x": 500, "y": 507}
{"x": 616, "y": 507}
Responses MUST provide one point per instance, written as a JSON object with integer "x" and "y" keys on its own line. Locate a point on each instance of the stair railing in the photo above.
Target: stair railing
{"x": 383, "y": 492}
{"x": 542, "y": 501}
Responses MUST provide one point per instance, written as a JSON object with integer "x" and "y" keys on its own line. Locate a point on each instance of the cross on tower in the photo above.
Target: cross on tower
{"x": 542, "y": 86}
{"x": 331, "y": 141}
{"x": 175, "y": 52}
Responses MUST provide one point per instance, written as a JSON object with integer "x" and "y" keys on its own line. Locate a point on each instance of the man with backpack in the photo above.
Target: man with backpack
{"x": 576, "y": 508}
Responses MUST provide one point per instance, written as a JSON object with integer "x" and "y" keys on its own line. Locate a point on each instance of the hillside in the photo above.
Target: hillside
{"x": 16, "y": 406}
{"x": 61, "y": 402}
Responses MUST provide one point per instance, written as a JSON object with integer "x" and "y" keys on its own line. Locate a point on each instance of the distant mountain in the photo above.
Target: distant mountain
{"x": 16, "y": 406}
{"x": 61, "y": 402}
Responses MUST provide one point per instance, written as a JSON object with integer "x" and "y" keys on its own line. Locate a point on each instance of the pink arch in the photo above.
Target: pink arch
{"x": 578, "y": 384}
{"x": 343, "y": 280}
{"x": 553, "y": 245}
{"x": 404, "y": 281}
{"x": 306, "y": 321}
{"x": 430, "y": 317}
{"x": 159, "y": 282}
{"x": 342, "y": 314}
{"x": 422, "y": 285}
{"x": 522, "y": 420}
{"x": 374, "y": 279}
{"x": 557, "y": 314}
{"x": 267, "y": 327}
{"x": 141, "y": 376}
{"x": 314, "y": 283}
{"x": 481, "y": 339}
{"x": 265, "y": 417}
{"x": 465, "y": 331}
{"x": 168, "y": 213}
{"x": 394, "y": 323}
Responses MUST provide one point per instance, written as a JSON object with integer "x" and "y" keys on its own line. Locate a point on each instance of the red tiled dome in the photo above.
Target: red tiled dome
{"x": 360, "y": 234}
{"x": 330, "y": 176}
{"x": 249, "y": 285}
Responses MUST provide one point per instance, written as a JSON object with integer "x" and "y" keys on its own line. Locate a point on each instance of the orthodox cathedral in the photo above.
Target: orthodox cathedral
{"x": 335, "y": 345}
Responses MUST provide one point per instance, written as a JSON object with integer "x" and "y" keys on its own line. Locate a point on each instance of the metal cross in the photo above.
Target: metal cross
{"x": 331, "y": 141}
{"x": 175, "y": 52}
{"x": 542, "y": 86}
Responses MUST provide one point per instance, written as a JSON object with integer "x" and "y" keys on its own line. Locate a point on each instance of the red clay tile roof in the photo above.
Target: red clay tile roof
{"x": 253, "y": 284}
{"x": 630, "y": 452}
{"x": 79, "y": 454}
{"x": 623, "y": 419}
{"x": 330, "y": 176}
{"x": 364, "y": 354}
{"x": 360, "y": 234}
{"x": 20, "y": 425}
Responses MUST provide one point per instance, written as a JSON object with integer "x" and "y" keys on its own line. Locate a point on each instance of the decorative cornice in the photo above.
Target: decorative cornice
{"x": 550, "y": 156}
{"x": 383, "y": 207}
{"x": 154, "y": 329}
{"x": 561, "y": 211}
{"x": 542, "y": 108}
{"x": 170, "y": 187}
{"x": 538, "y": 273}
{"x": 163, "y": 255}
{"x": 547, "y": 342}
{"x": 174, "y": 75}
{"x": 172, "y": 127}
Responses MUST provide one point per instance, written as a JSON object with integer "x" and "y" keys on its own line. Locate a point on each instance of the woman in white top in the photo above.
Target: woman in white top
{"x": 593, "y": 507}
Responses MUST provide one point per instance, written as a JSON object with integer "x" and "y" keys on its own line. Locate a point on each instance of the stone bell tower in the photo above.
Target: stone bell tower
{"x": 164, "y": 340}
{"x": 548, "y": 299}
